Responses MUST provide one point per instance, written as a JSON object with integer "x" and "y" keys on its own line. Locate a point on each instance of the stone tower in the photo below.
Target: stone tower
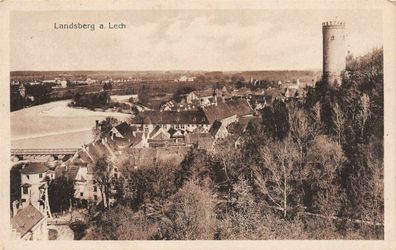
{"x": 333, "y": 51}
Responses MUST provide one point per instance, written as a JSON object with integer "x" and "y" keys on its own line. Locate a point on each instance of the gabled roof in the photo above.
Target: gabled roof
{"x": 34, "y": 168}
{"x": 170, "y": 117}
{"x": 26, "y": 219}
{"x": 215, "y": 128}
{"x": 125, "y": 129}
{"x": 70, "y": 172}
{"x": 204, "y": 93}
{"x": 227, "y": 109}
{"x": 155, "y": 131}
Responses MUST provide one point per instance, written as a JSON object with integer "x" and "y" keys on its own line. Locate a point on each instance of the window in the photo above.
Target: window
{"x": 116, "y": 176}
{"x": 115, "y": 169}
{"x": 25, "y": 190}
{"x": 95, "y": 188}
{"x": 332, "y": 38}
{"x": 27, "y": 176}
{"x": 94, "y": 181}
{"x": 40, "y": 176}
{"x": 95, "y": 197}
{"x": 81, "y": 194}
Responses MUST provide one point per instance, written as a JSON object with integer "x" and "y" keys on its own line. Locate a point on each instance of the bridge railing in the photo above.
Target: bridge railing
{"x": 44, "y": 151}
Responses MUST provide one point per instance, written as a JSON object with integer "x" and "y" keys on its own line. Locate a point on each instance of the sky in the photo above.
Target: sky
{"x": 226, "y": 40}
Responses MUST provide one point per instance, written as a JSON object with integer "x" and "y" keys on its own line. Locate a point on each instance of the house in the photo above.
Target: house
{"x": 203, "y": 97}
{"x": 123, "y": 130}
{"x": 34, "y": 188}
{"x": 228, "y": 112}
{"x": 82, "y": 170}
{"x": 28, "y": 223}
{"x": 123, "y": 135}
{"x": 185, "y": 79}
{"x": 218, "y": 131}
{"x": 183, "y": 120}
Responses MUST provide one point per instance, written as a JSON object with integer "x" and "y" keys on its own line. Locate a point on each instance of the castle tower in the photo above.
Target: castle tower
{"x": 333, "y": 51}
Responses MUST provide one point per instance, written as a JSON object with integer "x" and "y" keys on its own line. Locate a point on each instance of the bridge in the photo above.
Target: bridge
{"x": 57, "y": 153}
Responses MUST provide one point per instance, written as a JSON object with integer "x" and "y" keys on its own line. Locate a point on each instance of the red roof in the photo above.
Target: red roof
{"x": 34, "y": 168}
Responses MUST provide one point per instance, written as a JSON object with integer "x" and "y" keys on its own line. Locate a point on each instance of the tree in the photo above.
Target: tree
{"x": 339, "y": 122}
{"x": 275, "y": 120}
{"x": 276, "y": 176}
{"x": 60, "y": 194}
{"x": 182, "y": 90}
{"x": 102, "y": 175}
{"x": 364, "y": 112}
{"x": 325, "y": 158}
{"x": 103, "y": 128}
{"x": 190, "y": 215}
{"x": 301, "y": 129}
{"x": 243, "y": 218}
{"x": 121, "y": 223}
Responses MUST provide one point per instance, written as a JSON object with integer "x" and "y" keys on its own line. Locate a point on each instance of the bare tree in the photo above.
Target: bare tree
{"x": 102, "y": 175}
{"x": 278, "y": 171}
{"x": 339, "y": 121}
{"x": 364, "y": 112}
{"x": 325, "y": 158}
{"x": 301, "y": 129}
{"x": 191, "y": 214}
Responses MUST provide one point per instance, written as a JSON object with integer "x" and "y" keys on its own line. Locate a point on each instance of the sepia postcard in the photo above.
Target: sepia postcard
{"x": 198, "y": 124}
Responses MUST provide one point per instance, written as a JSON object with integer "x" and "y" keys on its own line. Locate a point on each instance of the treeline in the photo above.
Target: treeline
{"x": 39, "y": 94}
{"x": 91, "y": 101}
{"x": 312, "y": 169}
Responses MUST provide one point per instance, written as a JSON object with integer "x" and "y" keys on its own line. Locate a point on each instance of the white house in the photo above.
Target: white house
{"x": 34, "y": 188}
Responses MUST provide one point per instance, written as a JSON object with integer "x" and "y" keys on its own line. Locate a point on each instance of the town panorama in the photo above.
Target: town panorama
{"x": 183, "y": 155}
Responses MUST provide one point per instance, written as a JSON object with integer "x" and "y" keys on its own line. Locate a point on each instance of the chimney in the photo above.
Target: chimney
{"x": 15, "y": 205}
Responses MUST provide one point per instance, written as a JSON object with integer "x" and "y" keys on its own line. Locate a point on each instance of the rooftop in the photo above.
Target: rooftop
{"x": 125, "y": 129}
{"x": 170, "y": 117}
{"x": 227, "y": 109}
{"x": 26, "y": 219}
{"x": 34, "y": 168}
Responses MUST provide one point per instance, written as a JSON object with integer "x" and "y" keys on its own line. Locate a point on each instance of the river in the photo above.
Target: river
{"x": 55, "y": 125}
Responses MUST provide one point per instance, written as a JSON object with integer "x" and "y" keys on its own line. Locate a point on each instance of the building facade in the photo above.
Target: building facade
{"x": 334, "y": 62}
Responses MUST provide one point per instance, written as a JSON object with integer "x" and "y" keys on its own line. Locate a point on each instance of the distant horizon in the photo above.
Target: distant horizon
{"x": 154, "y": 70}
{"x": 191, "y": 40}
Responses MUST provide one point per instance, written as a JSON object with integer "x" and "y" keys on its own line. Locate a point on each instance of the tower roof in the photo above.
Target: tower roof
{"x": 333, "y": 23}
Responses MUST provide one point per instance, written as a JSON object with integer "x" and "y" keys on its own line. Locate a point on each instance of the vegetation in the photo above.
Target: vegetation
{"x": 60, "y": 194}
{"x": 312, "y": 169}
